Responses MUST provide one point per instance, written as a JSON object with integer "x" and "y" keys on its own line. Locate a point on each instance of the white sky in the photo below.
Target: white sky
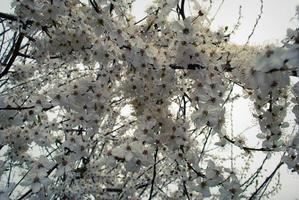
{"x": 278, "y": 15}
{"x": 276, "y": 18}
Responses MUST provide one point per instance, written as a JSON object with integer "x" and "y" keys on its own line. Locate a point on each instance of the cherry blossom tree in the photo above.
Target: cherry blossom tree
{"x": 97, "y": 105}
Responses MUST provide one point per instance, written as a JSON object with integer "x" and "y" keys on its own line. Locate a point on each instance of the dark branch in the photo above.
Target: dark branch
{"x": 182, "y": 9}
{"x": 154, "y": 175}
{"x": 120, "y": 190}
{"x": 8, "y": 16}
{"x": 251, "y": 179}
{"x": 14, "y": 55}
{"x": 25, "y": 55}
{"x": 186, "y": 190}
{"x": 95, "y": 6}
{"x": 29, "y": 191}
{"x": 246, "y": 148}
{"x": 190, "y": 66}
{"x": 196, "y": 172}
{"x": 25, "y": 108}
{"x": 17, "y": 108}
{"x": 205, "y": 144}
{"x": 266, "y": 181}
{"x": 257, "y": 21}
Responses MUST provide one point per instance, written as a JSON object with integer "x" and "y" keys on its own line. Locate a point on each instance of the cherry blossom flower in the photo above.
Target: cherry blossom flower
{"x": 231, "y": 189}
{"x": 213, "y": 174}
{"x": 36, "y": 180}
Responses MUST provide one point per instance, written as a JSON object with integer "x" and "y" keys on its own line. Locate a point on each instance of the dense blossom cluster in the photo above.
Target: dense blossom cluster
{"x": 101, "y": 106}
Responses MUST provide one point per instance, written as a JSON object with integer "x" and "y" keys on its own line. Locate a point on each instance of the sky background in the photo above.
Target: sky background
{"x": 278, "y": 15}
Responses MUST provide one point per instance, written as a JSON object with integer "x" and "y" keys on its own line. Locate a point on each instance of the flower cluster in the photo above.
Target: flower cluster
{"x": 100, "y": 106}
{"x": 292, "y": 157}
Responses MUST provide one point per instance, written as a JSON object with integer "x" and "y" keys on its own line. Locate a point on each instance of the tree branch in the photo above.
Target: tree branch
{"x": 154, "y": 175}
{"x": 246, "y": 148}
{"x": 14, "y": 55}
{"x": 190, "y": 66}
{"x": 30, "y": 190}
{"x": 256, "y": 22}
{"x": 182, "y": 9}
{"x": 266, "y": 181}
{"x": 8, "y": 16}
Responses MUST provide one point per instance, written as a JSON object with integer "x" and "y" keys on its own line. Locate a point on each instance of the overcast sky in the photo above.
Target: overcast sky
{"x": 278, "y": 15}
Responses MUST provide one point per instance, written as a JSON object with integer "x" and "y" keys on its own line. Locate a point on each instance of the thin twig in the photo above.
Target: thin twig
{"x": 217, "y": 11}
{"x": 266, "y": 181}
{"x": 237, "y": 25}
{"x": 154, "y": 175}
{"x": 256, "y": 21}
{"x": 245, "y": 148}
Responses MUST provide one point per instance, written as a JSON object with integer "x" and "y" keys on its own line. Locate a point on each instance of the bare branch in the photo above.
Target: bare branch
{"x": 246, "y": 148}
{"x": 268, "y": 179}
{"x": 154, "y": 175}
{"x": 256, "y": 22}
{"x": 14, "y": 55}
